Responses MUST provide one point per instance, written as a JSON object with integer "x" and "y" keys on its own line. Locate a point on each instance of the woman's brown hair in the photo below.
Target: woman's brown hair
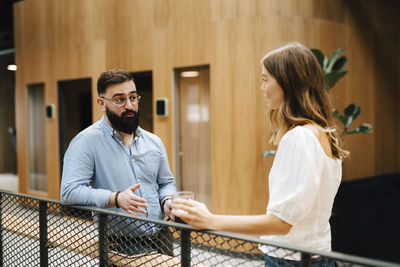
{"x": 305, "y": 99}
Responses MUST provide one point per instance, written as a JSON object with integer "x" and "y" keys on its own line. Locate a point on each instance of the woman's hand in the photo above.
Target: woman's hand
{"x": 193, "y": 212}
{"x": 197, "y": 215}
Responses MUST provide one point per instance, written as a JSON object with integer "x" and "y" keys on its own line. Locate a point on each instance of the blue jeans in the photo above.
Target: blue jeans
{"x": 278, "y": 262}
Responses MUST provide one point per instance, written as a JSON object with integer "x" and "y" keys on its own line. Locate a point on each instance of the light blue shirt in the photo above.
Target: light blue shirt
{"x": 97, "y": 163}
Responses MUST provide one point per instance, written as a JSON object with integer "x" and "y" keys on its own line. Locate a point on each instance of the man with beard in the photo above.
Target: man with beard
{"x": 115, "y": 164}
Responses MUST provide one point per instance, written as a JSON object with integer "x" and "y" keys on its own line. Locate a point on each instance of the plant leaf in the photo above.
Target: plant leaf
{"x": 319, "y": 55}
{"x": 332, "y": 78}
{"x": 351, "y": 112}
{"x": 268, "y": 153}
{"x": 364, "y": 128}
{"x": 339, "y": 64}
{"x": 325, "y": 64}
{"x": 337, "y": 114}
{"x": 332, "y": 60}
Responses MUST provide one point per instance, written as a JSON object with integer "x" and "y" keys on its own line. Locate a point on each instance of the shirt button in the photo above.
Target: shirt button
{"x": 133, "y": 160}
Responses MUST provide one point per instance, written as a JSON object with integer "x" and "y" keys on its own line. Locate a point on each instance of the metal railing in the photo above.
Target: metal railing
{"x": 41, "y": 232}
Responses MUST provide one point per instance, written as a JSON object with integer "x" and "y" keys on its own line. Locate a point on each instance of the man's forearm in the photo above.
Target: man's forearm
{"x": 88, "y": 196}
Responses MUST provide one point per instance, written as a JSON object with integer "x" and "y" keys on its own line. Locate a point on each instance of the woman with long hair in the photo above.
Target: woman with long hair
{"x": 307, "y": 168}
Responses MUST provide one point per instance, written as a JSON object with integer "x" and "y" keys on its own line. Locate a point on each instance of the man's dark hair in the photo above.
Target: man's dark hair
{"x": 112, "y": 77}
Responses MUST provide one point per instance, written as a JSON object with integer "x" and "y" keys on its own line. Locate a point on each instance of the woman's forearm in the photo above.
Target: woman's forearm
{"x": 250, "y": 225}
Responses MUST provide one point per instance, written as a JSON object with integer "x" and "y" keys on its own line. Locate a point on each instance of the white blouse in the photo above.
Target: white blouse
{"x": 303, "y": 182}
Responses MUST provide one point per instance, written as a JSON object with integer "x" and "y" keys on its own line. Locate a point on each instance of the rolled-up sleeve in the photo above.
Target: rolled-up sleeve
{"x": 294, "y": 177}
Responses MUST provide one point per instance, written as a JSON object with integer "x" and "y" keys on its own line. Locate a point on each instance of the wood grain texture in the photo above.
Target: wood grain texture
{"x": 70, "y": 39}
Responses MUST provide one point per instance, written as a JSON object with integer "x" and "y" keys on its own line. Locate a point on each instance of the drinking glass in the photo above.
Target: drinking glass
{"x": 182, "y": 195}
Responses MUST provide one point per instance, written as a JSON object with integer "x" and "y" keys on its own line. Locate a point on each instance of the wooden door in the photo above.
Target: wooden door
{"x": 193, "y": 86}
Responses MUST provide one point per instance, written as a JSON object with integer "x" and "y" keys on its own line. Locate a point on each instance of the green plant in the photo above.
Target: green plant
{"x": 334, "y": 69}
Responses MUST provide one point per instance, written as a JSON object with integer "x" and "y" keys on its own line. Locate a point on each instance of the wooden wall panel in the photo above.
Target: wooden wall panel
{"x": 62, "y": 43}
{"x": 373, "y": 66}
{"x": 20, "y": 100}
{"x": 70, "y": 39}
{"x": 358, "y": 89}
{"x": 129, "y": 44}
{"x": 233, "y": 132}
{"x": 387, "y": 102}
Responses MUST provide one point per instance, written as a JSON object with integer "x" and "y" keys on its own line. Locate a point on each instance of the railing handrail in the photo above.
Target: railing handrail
{"x": 333, "y": 255}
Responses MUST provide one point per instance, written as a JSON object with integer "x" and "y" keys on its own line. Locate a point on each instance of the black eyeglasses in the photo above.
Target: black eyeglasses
{"x": 120, "y": 101}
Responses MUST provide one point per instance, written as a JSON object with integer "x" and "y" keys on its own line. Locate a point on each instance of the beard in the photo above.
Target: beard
{"x": 123, "y": 123}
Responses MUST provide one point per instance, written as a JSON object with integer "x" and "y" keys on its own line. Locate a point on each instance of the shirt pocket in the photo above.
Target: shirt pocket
{"x": 151, "y": 167}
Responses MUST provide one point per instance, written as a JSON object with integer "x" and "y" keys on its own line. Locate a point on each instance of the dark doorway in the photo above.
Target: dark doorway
{"x": 37, "y": 174}
{"x": 144, "y": 86}
{"x": 74, "y": 109}
{"x": 8, "y": 158}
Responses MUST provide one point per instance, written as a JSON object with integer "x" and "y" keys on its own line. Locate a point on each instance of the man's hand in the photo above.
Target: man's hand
{"x": 130, "y": 202}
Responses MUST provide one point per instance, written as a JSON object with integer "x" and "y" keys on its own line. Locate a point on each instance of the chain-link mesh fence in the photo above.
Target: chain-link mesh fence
{"x": 39, "y": 232}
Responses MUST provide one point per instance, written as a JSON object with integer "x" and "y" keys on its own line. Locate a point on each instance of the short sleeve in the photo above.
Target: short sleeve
{"x": 295, "y": 176}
